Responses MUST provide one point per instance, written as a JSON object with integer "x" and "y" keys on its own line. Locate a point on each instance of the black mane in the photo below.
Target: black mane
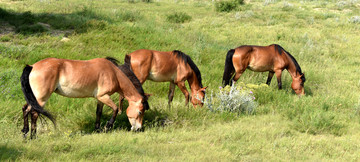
{"x": 125, "y": 68}
{"x": 298, "y": 69}
{"x": 188, "y": 60}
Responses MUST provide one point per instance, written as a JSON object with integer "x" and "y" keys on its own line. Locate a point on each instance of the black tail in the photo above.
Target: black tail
{"x": 229, "y": 67}
{"x": 29, "y": 95}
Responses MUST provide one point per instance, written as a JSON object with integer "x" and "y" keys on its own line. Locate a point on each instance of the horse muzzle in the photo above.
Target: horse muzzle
{"x": 135, "y": 125}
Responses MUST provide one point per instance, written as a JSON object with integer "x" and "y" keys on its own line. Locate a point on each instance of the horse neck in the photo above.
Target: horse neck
{"x": 291, "y": 68}
{"x": 194, "y": 83}
{"x": 128, "y": 89}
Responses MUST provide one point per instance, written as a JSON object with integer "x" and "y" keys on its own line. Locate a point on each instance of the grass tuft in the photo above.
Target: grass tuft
{"x": 178, "y": 17}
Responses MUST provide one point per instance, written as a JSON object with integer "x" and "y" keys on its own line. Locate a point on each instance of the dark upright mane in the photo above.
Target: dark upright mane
{"x": 125, "y": 68}
{"x": 187, "y": 60}
{"x": 298, "y": 69}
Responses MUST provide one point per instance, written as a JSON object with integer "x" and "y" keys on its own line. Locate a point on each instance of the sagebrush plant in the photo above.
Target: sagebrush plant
{"x": 236, "y": 99}
{"x": 355, "y": 19}
{"x": 178, "y": 17}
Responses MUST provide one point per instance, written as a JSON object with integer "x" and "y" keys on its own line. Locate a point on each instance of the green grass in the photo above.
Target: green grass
{"x": 322, "y": 35}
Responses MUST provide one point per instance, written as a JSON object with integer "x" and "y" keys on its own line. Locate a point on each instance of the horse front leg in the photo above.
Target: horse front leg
{"x": 121, "y": 100}
{"x": 26, "y": 108}
{"x": 171, "y": 93}
{"x": 107, "y": 100}
{"x": 99, "y": 109}
{"x": 278, "y": 76}
{"x": 271, "y": 74}
{"x": 183, "y": 89}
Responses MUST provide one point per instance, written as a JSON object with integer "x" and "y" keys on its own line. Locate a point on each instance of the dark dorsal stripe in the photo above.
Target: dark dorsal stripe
{"x": 125, "y": 68}
{"x": 189, "y": 61}
{"x": 298, "y": 68}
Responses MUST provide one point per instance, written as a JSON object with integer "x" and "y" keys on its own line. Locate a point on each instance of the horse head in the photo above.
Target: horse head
{"x": 198, "y": 97}
{"x": 298, "y": 84}
{"x": 135, "y": 113}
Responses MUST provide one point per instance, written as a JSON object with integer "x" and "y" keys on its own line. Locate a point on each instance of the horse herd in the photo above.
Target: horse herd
{"x": 102, "y": 77}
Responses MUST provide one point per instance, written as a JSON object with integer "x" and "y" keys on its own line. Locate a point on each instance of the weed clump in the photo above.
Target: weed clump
{"x": 227, "y": 6}
{"x": 178, "y": 17}
{"x": 235, "y": 99}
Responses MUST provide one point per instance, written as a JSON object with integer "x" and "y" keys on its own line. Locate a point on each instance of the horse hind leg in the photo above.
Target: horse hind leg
{"x": 34, "y": 117}
{"x": 237, "y": 76}
{"x": 26, "y": 109}
{"x": 271, "y": 74}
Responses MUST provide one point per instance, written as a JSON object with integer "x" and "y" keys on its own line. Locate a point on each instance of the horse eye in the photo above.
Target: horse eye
{"x": 140, "y": 112}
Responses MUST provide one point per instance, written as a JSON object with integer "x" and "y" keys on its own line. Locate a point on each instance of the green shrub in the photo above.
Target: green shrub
{"x": 129, "y": 16}
{"x": 178, "y": 17}
{"x": 227, "y": 6}
{"x": 31, "y": 29}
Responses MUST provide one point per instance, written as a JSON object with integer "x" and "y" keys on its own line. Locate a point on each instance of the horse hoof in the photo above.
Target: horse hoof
{"x": 25, "y": 135}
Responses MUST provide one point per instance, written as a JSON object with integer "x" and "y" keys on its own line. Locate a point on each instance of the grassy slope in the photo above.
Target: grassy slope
{"x": 322, "y": 125}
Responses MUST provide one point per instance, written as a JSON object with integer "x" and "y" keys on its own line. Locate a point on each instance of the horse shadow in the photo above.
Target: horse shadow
{"x": 28, "y": 23}
{"x": 152, "y": 118}
{"x": 9, "y": 153}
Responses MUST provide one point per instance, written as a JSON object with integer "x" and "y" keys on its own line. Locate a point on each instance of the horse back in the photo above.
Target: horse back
{"x": 154, "y": 65}
{"x": 73, "y": 78}
{"x": 258, "y": 58}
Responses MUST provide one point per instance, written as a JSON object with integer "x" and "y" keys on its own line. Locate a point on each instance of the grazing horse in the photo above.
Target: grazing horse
{"x": 174, "y": 67}
{"x": 272, "y": 58}
{"x": 98, "y": 78}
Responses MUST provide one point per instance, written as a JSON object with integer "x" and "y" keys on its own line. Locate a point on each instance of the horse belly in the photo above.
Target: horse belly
{"x": 75, "y": 91}
{"x": 157, "y": 77}
{"x": 260, "y": 66}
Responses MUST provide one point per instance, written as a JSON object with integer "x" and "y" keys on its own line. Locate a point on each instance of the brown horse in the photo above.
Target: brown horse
{"x": 271, "y": 58}
{"x": 174, "y": 67}
{"x": 98, "y": 78}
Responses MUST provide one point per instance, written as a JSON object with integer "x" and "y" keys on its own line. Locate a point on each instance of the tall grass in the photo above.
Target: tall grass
{"x": 321, "y": 35}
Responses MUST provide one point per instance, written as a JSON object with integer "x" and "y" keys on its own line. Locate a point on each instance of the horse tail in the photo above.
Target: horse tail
{"x": 29, "y": 95}
{"x": 229, "y": 67}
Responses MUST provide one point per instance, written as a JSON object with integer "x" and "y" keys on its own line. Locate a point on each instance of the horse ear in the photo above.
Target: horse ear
{"x": 148, "y": 95}
{"x": 203, "y": 89}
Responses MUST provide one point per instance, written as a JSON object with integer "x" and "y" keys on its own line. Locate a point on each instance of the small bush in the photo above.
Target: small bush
{"x": 178, "y": 17}
{"x": 31, "y": 29}
{"x": 233, "y": 99}
{"x": 129, "y": 16}
{"x": 227, "y": 6}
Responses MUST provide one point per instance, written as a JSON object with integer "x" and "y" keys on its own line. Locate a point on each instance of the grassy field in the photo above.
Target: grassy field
{"x": 322, "y": 35}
